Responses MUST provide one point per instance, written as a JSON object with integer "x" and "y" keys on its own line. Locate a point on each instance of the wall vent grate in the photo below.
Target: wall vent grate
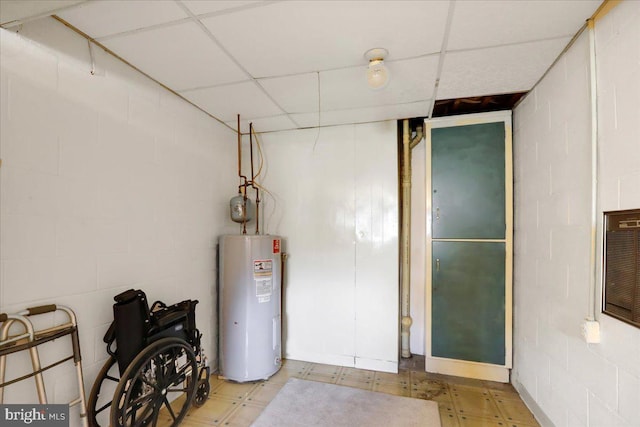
{"x": 621, "y": 296}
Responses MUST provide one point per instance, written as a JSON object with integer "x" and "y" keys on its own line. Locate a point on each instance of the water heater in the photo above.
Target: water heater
{"x": 250, "y": 306}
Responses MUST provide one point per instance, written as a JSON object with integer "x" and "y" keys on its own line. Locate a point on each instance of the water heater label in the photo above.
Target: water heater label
{"x": 264, "y": 289}
{"x": 276, "y": 246}
{"x": 262, "y": 268}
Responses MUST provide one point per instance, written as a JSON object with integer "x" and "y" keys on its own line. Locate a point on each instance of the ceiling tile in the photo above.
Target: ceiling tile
{"x": 201, "y": 7}
{"x": 364, "y": 115}
{"x": 20, "y": 10}
{"x": 497, "y": 22}
{"x": 296, "y": 94}
{"x": 265, "y": 124}
{"x": 410, "y": 80}
{"x": 295, "y": 37}
{"x": 305, "y": 120}
{"x": 104, "y": 18}
{"x": 497, "y": 70}
{"x": 163, "y": 54}
{"x": 226, "y": 102}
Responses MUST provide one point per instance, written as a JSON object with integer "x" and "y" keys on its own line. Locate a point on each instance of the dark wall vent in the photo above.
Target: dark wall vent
{"x": 621, "y": 296}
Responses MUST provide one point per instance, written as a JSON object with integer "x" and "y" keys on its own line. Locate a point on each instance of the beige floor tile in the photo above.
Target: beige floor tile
{"x": 283, "y": 375}
{"x": 317, "y": 368}
{"x": 417, "y": 376}
{"x": 192, "y": 423}
{"x": 295, "y": 365}
{"x": 474, "y": 403}
{"x": 215, "y": 381}
{"x": 473, "y": 388}
{"x": 352, "y": 382}
{"x": 427, "y": 389}
{"x": 234, "y": 391}
{"x": 505, "y": 395}
{"x": 263, "y": 394}
{"x": 515, "y": 411}
{"x": 358, "y": 374}
{"x": 392, "y": 388}
{"x": 243, "y": 416}
{"x": 212, "y": 412}
{"x": 461, "y": 402}
{"x": 403, "y": 377}
{"x": 331, "y": 379}
{"x": 448, "y": 419}
{"x": 471, "y": 421}
{"x": 444, "y": 403}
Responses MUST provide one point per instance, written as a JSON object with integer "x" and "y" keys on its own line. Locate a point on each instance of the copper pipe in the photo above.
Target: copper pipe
{"x": 242, "y": 177}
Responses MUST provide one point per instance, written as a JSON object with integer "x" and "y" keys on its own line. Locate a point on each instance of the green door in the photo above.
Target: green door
{"x": 468, "y": 301}
{"x": 468, "y": 243}
{"x": 468, "y": 183}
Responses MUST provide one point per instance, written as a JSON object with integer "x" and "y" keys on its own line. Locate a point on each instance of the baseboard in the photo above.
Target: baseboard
{"x": 466, "y": 369}
{"x": 348, "y": 361}
{"x": 535, "y": 409}
{"x": 326, "y": 359}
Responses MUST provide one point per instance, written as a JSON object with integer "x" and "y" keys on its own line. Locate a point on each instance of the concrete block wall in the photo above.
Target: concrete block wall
{"x": 565, "y": 380}
{"x": 108, "y": 182}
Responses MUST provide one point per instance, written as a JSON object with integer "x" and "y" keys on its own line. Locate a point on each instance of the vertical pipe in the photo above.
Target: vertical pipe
{"x": 251, "y": 151}
{"x": 243, "y": 185}
{"x": 405, "y": 241}
{"x": 257, "y": 210}
{"x": 253, "y": 177}
{"x": 594, "y": 167}
{"x": 239, "y": 153}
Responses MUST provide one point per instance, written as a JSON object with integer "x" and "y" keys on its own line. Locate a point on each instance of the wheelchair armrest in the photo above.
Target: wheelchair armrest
{"x": 110, "y": 335}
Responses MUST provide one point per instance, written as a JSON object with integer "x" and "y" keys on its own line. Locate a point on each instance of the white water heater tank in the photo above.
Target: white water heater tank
{"x": 250, "y": 306}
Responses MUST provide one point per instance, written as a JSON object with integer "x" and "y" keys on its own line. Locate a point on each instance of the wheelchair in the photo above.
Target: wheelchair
{"x": 156, "y": 368}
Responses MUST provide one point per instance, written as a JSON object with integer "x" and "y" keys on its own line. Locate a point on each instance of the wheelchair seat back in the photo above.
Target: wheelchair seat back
{"x": 135, "y": 326}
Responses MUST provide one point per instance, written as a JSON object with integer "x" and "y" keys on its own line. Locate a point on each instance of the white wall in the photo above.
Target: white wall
{"x": 565, "y": 380}
{"x": 108, "y": 182}
{"x": 336, "y": 197}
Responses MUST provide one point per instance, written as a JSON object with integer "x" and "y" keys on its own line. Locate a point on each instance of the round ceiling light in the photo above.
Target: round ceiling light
{"x": 377, "y": 73}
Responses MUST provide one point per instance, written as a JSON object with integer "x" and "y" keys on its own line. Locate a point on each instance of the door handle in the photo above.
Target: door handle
{"x": 437, "y": 264}
{"x": 437, "y": 213}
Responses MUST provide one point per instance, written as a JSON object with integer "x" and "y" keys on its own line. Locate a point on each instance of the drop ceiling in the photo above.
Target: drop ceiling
{"x": 295, "y": 64}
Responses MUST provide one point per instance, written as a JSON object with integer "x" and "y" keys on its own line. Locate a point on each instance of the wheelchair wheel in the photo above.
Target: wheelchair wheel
{"x": 158, "y": 385}
{"x": 202, "y": 393}
{"x": 99, "y": 404}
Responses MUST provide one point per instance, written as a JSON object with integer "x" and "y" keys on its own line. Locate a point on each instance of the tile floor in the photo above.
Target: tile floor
{"x": 462, "y": 402}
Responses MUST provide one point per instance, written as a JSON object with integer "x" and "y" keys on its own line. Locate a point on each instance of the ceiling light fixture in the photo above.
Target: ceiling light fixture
{"x": 377, "y": 73}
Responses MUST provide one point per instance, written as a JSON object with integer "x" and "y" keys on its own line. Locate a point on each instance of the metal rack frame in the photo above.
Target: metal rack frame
{"x": 29, "y": 339}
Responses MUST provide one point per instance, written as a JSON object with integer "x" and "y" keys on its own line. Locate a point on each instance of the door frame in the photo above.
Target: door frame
{"x": 478, "y": 370}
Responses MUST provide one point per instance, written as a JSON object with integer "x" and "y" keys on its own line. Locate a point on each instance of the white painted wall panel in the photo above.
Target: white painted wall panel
{"x": 336, "y": 207}
{"x": 107, "y": 182}
{"x": 571, "y": 382}
{"x": 376, "y": 233}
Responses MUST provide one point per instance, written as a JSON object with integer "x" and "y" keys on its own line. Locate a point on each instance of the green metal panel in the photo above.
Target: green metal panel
{"x": 468, "y": 181}
{"x": 468, "y": 301}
